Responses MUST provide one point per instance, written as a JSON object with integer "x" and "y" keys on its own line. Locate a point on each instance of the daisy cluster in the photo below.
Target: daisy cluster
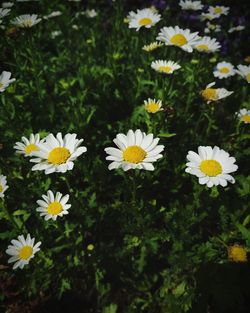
{"x": 134, "y": 149}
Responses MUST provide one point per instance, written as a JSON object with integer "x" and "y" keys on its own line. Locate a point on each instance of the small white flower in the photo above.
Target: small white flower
{"x": 4, "y": 12}
{"x": 28, "y": 146}
{"x": 212, "y": 166}
{"x": 176, "y": 36}
{"x": 22, "y": 250}
{"x": 55, "y": 34}
{"x": 26, "y": 20}
{"x": 75, "y": 27}
{"x": 135, "y": 150}
{"x": 91, "y": 13}
{"x": 52, "y": 14}
{"x": 244, "y": 116}
{"x": 244, "y": 71}
{"x": 191, "y": 5}
{"x": 7, "y": 4}
{"x": 214, "y": 94}
{"x": 209, "y": 16}
{"x": 57, "y": 154}
{"x": 3, "y": 185}
{"x": 5, "y": 80}
{"x": 166, "y": 67}
{"x": 143, "y": 18}
{"x": 152, "y": 105}
{"x": 212, "y": 27}
{"x": 224, "y": 70}
{"x": 220, "y": 10}
{"x": 53, "y": 206}
{"x": 236, "y": 29}
{"x": 207, "y": 44}
{"x": 152, "y": 46}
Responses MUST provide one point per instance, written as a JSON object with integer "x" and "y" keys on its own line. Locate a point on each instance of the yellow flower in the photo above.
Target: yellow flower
{"x": 237, "y": 253}
{"x": 90, "y": 247}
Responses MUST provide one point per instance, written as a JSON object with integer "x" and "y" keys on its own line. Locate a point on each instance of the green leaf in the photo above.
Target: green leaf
{"x": 167, "y": 135}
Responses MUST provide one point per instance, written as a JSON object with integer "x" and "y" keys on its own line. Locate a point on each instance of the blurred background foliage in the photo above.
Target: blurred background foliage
{"x": 162, "y": 245}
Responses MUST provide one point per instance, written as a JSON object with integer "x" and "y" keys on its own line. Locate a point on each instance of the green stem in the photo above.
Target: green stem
{"x": 9, "y": 216}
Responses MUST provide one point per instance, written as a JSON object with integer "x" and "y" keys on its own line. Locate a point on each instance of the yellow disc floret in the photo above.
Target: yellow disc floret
{"x": 165, "y": 69}
{"x": 178, "y": 40}
{"x": 211, "y": 168}
{"x": 54, "y": 208}
{"x": 224, "y": 70}
{"x": 134, "y": 154}
{"x": 58, "y": 155}
{"x": 245, "y": 118}
{"x": 145, "y": 21}
{"x": 31, "y": 148}
{"x": 25, "y": 252}
{"x": 209, "y": 94}
{"x": 248, "y": 78}
{"x": 152, "y": 107}
{"x": 1, "y": 188}
{"x": 237, "y": 253}
{"x": 202, "y": 47}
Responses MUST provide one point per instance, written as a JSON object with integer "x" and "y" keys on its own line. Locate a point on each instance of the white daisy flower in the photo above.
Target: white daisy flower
{"x": 143, "y": 18}
{"x": 152, "y": 105}
{"x": 191, "y": 5}
{"x": 244, "y": 116}
{"x": 209, "y": 16}
{"x": 55, "y": 34}
{"x": 212, "y": 27}
{"x": 91, "y": 13}
{"x": 28, "y": 146}
{"x": 236, "y": 29}
{"x": 166, "y": 67}
{"x": 57, "y": 154}
{"x": 152, "y": 46}
{"x": 52, "y": 14}
{"x": 221, "y": 10}
{"x": 224, "y": 70}
{"x": 214, "y": 94}
{"x": 244, "y": 71}
{"x": 53, "y": 206}
{"x": 212, "y": 166}
{"x": 207, "y": 44}
{"x": 3, "y": 185}
{"x": 22, "y": 251}
{"x": 7, "y": 4}
{"x": 26, "y": 20}
{"x": 135, "y": 150}
{"x": 4, "y": 12}
{"x": 176, "y": 36}
{"x": 5, "y": 80}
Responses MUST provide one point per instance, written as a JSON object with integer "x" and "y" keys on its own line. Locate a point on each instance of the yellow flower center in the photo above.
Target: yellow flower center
{"x": 145, "y": 21}
{"x": 54, "y": 208}
{"x": 248, "y": 77}
{"x": 134, "y": 154}
{"x": 1, "y": 188}
{"x": 58, "y": 155}
{"x": 237, "y": 253}
{"x": 224, "y": 70}
{"x": 217, "y": 10}
{"x": 31, "y": 148}
{"x": 209, "y": 94}
{"x": 27, "y": 23}
{"x": 202, "y": 47}
{"x": 152, "y": 107}
{"x": 1, "y": 85}
{"x": 211, "y": 168}
{"x": 245, "y": 118}
{"x": 178, "y": 40}
{"x": 165, "y": 69}
{"x": 25, "y": 252}
{"x": 90, "y": 247}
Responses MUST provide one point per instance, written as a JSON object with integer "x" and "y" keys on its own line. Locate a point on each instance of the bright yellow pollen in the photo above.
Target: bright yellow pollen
{"x": 152, "y": 107}
{"x": 248, "y": 78}
{"x": 90, "y": 247}
{"x": 178, "y": 40}
{"x": 27, "y": 23}
{"x": 145, "y": 21}
{"x": 246, "y": 118}
{"x": 202, "y": 47}
{"x": 224, "y": 70}
{"x": 1, "y": 188}
{"x": 58, "y": 155}
{"x": 217, "y": 10}
{"x": 211, "y": 168}
{"x": 31, "y": 148}
{"x": 166, "y": 69}
{"x": 54, "y": 208}
{"x": 209, "y": 94}
{"x": 237, "y": 253}
{"x": 25, "y": 252}
{"x": 134, "y": 154}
